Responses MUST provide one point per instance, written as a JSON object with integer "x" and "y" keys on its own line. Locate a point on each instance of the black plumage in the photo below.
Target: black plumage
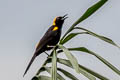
{"x": 51, "y": 38}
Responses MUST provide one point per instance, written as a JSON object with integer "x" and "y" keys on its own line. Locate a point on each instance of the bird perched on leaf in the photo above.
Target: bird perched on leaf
{"x": 51, "y": 38}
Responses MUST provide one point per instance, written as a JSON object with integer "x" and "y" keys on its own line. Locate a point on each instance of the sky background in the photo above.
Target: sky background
{"x": 24, "y": 22}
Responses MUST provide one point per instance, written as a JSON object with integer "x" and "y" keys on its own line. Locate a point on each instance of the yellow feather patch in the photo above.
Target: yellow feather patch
{"x": 54, "y": 21}
{"x": 37, "y": 44}
{"x": 55, "y": 28}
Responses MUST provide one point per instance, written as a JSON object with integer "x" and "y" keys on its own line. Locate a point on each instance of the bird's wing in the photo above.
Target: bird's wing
{"x": 43, "y": 42}
{"x": 46, "y": 38}
{"x": 34, "y": 56}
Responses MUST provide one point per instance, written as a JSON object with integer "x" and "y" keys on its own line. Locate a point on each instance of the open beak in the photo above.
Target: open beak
{"x": 65, "y": 17}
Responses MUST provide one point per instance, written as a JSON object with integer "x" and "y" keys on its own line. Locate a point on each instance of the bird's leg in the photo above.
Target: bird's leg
{"x": 46, "y": 53}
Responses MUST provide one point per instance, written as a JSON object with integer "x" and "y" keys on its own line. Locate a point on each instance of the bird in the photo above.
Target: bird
{"x": 50, "y": 39}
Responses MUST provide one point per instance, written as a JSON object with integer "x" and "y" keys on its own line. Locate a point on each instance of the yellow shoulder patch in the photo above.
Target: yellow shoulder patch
{"x": 55, "y": 28}
{"x": 54, "y": 21}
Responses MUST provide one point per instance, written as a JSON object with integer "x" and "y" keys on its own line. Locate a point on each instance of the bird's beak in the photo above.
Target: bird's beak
{"x": 65, "y": 17}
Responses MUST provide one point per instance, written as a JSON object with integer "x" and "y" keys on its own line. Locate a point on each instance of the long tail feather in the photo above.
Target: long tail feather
{"x": 31, "y": 61}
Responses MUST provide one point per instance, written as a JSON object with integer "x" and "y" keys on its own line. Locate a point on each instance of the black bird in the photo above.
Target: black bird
{"x": 51, "y": 38}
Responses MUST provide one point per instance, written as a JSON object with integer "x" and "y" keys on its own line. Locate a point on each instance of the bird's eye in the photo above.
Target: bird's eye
{"x": 57, "y": 18}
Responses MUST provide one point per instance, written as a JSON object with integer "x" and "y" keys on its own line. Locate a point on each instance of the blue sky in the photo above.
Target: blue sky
{"x": 24, "y": 22}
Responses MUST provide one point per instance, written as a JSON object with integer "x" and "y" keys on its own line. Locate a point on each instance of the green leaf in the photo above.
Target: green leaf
{"x": 106, "y": 63}
{"x": 88, "y": 13}
{"x": 83, "y": 49}
{"x": 67, "y": 63}
{"x": 98, "y": 36}
{"x": 93, "y": 73}
{"x": 70, "y": 36}
{"x": 41, "y": 77}
{"x": 67, "y": 74}
{"x": 54, "y": 66}
{"x": 76, "y": 49}
{"x": 82, "y": 71}
{"x": 72, "y": 59}
{"x": 48, "y": 60}
{"x": 42, "y": 68}
{"x": 48, "y": 69}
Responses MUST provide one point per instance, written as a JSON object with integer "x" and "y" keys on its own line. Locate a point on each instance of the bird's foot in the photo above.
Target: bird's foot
{"x": 50, "y": 46}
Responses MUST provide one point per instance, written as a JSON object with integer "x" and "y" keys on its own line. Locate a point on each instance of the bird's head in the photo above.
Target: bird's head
{"x": 58, "y": 21}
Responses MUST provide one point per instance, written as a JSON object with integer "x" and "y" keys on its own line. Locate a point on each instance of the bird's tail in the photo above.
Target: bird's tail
{"x": 31, "y": 61}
